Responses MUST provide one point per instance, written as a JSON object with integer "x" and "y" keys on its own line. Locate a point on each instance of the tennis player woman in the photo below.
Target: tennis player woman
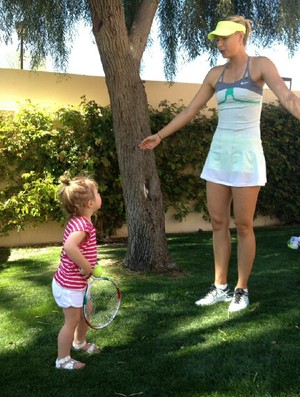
{"x": 235, "y": 168}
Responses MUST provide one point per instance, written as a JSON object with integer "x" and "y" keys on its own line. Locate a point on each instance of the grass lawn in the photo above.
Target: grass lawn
{"x": 160, "y": 344}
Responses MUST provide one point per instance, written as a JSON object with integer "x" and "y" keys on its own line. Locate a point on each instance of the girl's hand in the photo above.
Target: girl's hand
{"x": 150, "y": 142}
{"x": 84, "y": 274}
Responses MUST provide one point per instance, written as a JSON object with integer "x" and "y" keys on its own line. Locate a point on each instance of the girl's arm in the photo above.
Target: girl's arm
{"x": 71, "y": 247}
{"x": 272, "y": 78}
{"x": 205, "y": 92}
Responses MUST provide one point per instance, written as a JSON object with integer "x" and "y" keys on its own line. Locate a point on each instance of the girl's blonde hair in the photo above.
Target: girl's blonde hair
{"x": 75, "y": 193}
{"x": 245, "y": 22}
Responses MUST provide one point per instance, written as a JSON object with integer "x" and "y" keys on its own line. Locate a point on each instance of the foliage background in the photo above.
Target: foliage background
{"x": 38, "y": 145}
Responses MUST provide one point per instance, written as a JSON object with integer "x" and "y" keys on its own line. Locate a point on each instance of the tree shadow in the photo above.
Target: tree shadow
{"x": 4, "y": 256}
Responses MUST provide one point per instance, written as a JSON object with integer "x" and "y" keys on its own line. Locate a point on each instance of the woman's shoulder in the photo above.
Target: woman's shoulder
{"x": 260, "y": 60}
{"x": 214, "y": 74}
{"x": 260, "y": 68}
{"x": 216, "y": 70}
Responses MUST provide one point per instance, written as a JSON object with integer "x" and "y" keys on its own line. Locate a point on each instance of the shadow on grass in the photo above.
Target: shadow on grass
{"x": 161, "y": 344}
{"x": 162, "y": 348}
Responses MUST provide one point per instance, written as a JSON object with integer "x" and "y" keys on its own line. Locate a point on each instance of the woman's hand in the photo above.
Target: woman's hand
{"x": 150, "y": 142}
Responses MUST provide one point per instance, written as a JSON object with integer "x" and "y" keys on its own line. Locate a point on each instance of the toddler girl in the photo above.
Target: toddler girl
{"x": 80, "y": 199}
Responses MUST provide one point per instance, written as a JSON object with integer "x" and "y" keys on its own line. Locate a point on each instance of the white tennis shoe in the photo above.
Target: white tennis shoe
{"x": 240, "y": 300}
{"x": 215, "y": 295}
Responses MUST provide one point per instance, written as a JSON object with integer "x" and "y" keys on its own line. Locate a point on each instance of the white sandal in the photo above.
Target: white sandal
{"x": 67, "y": 363}
{"x": 93, "y": 349}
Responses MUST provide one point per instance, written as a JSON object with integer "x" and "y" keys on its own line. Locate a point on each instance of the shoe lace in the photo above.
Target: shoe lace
{"x": 212, "y": 291}
{"x": 238, "y": 294}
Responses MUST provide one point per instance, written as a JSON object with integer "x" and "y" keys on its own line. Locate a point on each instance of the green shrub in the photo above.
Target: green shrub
{"x": 38, "y": 145}
{"x": 281, "y": 140}
{"x": 180, "y": 159}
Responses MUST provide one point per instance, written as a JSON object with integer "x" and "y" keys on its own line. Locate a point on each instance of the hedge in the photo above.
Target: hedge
{"x": 37, "y": 145}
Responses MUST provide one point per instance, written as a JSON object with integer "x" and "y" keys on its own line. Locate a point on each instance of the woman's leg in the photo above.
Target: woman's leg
{"x": 219, "y": 203}
{"x": 244, "y": 204}
{"x": 219, "y": 199}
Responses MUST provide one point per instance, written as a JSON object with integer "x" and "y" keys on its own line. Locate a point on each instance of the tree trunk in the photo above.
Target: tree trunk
{"x": 147, "y": 246}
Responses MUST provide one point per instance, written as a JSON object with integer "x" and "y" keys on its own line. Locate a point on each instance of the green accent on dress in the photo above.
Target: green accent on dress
{"x": 230, "y": 92}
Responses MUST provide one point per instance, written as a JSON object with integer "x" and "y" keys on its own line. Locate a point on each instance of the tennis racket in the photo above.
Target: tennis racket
{"x": 101, "y": 302}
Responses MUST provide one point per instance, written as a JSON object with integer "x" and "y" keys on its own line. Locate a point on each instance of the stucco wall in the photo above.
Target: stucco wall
{"x": 18, "y": 86}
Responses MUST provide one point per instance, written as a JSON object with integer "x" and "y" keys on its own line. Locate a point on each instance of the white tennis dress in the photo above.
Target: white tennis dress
{"x": 236, "y": 156}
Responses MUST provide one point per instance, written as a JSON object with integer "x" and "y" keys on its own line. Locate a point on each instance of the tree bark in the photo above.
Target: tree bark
{"x": 147, "y": 245}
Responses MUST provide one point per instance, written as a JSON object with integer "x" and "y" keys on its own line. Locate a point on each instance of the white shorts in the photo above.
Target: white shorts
{"x": 67, "y": 297}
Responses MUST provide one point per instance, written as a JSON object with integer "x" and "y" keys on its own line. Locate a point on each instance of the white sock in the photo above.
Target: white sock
{"x": 221, "y": 286}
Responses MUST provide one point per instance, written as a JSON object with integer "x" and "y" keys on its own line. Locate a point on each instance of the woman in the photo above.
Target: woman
{"x": 235, "y": 167}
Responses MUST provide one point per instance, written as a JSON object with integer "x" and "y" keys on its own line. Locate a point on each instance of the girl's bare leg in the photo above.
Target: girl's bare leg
{"x": 80, "y": 335}
{"x": 81, "y": 330}
{"x": 66, "y": 334}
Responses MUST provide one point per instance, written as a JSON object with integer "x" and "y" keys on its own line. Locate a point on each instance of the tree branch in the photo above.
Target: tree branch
{"x": 141, "y": 28}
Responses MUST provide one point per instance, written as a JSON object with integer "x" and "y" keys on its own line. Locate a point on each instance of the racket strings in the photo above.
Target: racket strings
{"x": 103, "y": 304}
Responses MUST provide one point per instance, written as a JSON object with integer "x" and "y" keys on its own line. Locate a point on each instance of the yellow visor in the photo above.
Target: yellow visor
{"x": 226, "y": 28}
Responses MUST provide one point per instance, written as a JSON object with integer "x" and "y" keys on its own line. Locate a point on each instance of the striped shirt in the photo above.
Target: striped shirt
{"x": 68, "y": 273}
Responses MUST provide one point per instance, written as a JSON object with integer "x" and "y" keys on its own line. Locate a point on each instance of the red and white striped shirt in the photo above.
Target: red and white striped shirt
{"x": 68, "y": 273}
